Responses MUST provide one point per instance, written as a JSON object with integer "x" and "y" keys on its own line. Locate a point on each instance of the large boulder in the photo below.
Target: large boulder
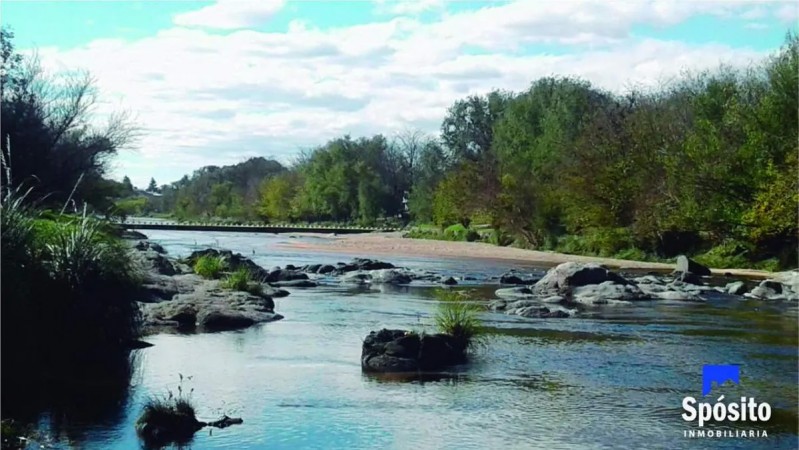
{"x": 567, "y": 276}
{"x": 688, "y": 265}
{"x": 396, "y": 351}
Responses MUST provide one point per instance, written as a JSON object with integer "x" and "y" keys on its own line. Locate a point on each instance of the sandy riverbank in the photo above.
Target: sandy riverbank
{"x": 394, "y": 244}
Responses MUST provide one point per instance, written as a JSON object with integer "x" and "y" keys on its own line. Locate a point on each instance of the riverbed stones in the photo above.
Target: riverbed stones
{"x": 606, "y": 292}
{"x": 773, "y": 290}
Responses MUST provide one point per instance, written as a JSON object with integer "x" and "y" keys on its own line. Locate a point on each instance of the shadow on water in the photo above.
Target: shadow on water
{"x": 65, "y": 399}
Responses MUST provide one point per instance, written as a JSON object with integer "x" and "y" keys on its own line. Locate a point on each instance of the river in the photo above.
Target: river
{"x": 612, "y": 378}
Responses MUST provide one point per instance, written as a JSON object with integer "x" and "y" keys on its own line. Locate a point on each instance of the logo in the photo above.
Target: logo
{"x": 747, "y": 410}
{"x": 719, "y": 374}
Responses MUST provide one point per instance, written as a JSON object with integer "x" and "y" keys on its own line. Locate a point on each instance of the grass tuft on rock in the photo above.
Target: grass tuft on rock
{"x": 209, "y": 267}
{"x": 168, "y": 419}
{"x": 242, "y": 280}
{"x": 457, "y": 316}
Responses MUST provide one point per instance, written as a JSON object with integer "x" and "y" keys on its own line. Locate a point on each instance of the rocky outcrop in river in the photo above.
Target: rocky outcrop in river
{"x": 398, "y": 351}
{"x": 175, "y": 298}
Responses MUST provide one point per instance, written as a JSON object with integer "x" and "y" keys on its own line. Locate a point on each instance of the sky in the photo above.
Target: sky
{"x": 217, "y": 82}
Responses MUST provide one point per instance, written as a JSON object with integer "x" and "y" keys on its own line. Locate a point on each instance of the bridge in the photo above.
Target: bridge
{"x": 160, "y": 224}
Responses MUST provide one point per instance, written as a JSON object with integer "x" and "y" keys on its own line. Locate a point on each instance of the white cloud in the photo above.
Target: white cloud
{"x": 789, "y": 13}
{"x": 205, "y": 98}
{"x": 408, "y": 7}
{"x": 231, "y": 14}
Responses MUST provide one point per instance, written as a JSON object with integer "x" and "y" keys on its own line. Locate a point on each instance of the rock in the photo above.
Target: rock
{"x": 648, "y": 279}
{"x": 390, "y": 276}
{"x": 396, "y": 351}
{"x": 602, "y": 293}
{"x": 185, "y": 314}
{"x": 312, "y": 268}
{"x": 568, "y": 276}
{"x": 210, "y": 307}
{"x": 773, "y": 290}
{"x": 688, "y": 277}
{"x": 356, "y": 278}
{"x": 528, "y": 308}
{"x": 368, "y": 264}
{"x": 541, "y": 312}
{"x": 687, "y": 265}
{"x": 514, "y": 277}
{"x": 285, "y": 275}
{"x": 132, "y": 235}
{"x": 361, "y": 264}
{"x": 274, "y": 292}
{"x": 681, "y": 296}
{"x": 295, "y": 283}
{"x": 158, "y": 287}
{"x": 147, "y": 245}
{"x": 517, "y": 292}
{"x": 326, "y": 268}
{"x": 736, "y": 288}
{"x": 449, "y": 281}
{"x": 224, "y": 320}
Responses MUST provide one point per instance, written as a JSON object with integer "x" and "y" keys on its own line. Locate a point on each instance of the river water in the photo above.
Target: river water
{"x": 611, "y": 378}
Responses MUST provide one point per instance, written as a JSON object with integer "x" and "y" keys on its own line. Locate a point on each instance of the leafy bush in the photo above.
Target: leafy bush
{"x": 730, "y": 254}
{"x": 458, "y": 232}
{"x": 209, "y": 267}
{"x": 500, "y": 238}
{"x": 457, "y": 316}
{"x": 242, "y": 280}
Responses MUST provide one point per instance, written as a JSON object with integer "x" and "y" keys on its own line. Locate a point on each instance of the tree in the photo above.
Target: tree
{"x": 127, "y": 186}
{"x": 50, "y": 142}
{"x": 153, "y": 186}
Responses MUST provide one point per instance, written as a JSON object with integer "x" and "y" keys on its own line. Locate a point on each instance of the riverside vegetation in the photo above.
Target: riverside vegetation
{"x": 704, "y": 165}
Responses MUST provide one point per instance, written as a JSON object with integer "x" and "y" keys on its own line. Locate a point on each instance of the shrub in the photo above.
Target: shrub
{"x": 210, "y": 267}
{"x": 457, "y": 316}
{"x": 729, "y": 254}
{"x": 459, "y": 232}
{"x": 500, "y": 238}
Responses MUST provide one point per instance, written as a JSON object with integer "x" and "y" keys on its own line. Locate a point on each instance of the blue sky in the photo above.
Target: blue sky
{"x": 216, "y": 82}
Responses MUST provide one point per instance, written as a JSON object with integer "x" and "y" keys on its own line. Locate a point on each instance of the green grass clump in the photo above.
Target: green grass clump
{"x": 242, "y": 280}
{"x": 209, "y": 267}
{"x": 457, "y": 316}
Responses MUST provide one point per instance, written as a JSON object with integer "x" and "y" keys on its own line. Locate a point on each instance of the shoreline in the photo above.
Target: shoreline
{"x": 394, "y": 244}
